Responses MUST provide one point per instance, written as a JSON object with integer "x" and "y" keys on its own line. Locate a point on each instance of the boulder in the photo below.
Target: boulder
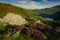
{"x": 14, "y": 19}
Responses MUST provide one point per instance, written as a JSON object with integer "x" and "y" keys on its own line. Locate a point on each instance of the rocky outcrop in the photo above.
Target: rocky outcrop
{"x": 14, "y": 19}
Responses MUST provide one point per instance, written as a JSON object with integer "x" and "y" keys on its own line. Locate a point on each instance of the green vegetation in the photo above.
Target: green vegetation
{"x": 8, "y": 8}
{"x": 47, "y": 11}
{"x": 30, "y": 30}
{"x": 21, "y": 35}
{"x": 53, "y": 12}
{"x": 4, "y": 34}
{"x": 56, "y": 16}
{"x": 52, "y": 23}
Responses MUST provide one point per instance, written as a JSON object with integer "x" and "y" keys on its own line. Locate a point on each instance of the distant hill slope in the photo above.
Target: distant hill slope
{"x": 53, "y": 12}
{"x": 56, "y": 16}
{"x": 47, "y": 12}
{"x": 8, "y": 8}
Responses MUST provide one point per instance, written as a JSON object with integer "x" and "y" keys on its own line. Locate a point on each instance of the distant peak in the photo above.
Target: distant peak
{"x": 57, "y": 6}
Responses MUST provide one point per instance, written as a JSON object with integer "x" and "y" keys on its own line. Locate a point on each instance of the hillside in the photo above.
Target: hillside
{"x": 8, "y": 8}
{"x": 53, "y": 12}
{"x": 47, "y": 12}
{"x": 56, "y": 15}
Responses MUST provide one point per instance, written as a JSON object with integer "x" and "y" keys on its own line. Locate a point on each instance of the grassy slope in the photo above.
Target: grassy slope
{"x": 6, "y": 8}
{"x": 52, "y": 23}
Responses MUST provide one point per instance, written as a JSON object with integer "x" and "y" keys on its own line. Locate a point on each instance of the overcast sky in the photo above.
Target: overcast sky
{"x": 32, "y": 4}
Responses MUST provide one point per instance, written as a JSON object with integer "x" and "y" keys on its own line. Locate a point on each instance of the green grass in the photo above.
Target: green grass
{"x": 22, "y": 37}
{"x": 8, "y": 8}
{"x": 52, "y": 23}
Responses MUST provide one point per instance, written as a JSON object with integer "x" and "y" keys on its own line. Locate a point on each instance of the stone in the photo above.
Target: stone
{"x": 14, "y": 19}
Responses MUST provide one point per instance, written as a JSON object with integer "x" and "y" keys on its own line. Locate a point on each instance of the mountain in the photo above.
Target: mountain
{"x": 56, "y": 15}
{"x": 50, "y": 13}
{"x": 8, "y": 8}
{"x": 47, "y": 12}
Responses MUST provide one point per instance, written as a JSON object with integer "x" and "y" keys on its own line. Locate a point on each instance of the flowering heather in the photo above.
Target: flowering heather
{"x": 33, "y": 33}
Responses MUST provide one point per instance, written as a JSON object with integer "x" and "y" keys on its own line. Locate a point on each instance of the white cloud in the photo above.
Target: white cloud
{"x": 44, "y": 0}
{"x": 23, "y": 2}
{"x": 29, "y": 4}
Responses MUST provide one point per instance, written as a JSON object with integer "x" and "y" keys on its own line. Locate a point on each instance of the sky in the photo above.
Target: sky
{"x": 32, "y": 4}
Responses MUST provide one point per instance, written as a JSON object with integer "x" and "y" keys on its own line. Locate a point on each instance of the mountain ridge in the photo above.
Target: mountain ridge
{"x": 50, "y": 10}
{"x": 8, "y": 8}
{"x": 47, "y": 12}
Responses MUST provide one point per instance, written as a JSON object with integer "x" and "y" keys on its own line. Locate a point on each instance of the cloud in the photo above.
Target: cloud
{"x": 30, "y": 4}
{"x": 44, "y": 0}
{"x": 22, "y": 0}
